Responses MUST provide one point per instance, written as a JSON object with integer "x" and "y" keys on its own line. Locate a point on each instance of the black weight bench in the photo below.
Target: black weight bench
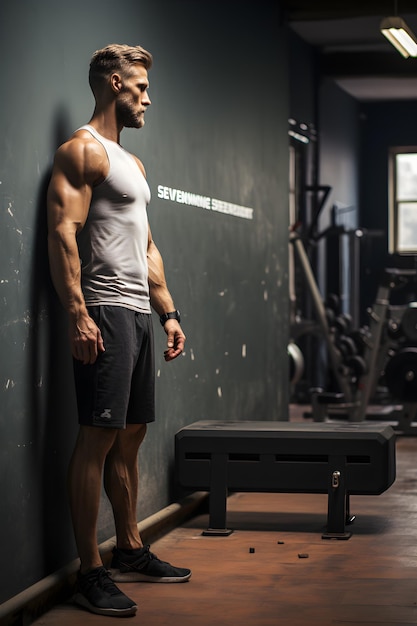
{"x": 333, "y": 458}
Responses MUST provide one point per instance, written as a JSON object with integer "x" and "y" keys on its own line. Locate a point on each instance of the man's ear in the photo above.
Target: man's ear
{"x": 116, "y": 83}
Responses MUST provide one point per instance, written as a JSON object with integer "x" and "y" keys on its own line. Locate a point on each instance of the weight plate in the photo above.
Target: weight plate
{"x": 409, "y": 323}
{"x": 347, "y": 346}
{"x": 401, "y": 375}
{"x": 330, "y": 316}
{"x": 341, "y": 324}
{"x": 357, "y": 365}
{"x": 361, "y": 337}
{"x": 333, "y": 302}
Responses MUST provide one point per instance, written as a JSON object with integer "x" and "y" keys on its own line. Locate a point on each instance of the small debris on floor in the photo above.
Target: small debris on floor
{"x": 251, "y": 550}
{"x": 303, "y": 555}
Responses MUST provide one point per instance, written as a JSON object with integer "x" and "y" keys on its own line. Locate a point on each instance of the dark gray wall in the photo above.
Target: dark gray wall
{"x": 335, "y": 114}
{"x": 339, "y": 131}
{"x": 303, "y": 80}
{"x": 339, "y": 150}
{"x": 217, "y": 127}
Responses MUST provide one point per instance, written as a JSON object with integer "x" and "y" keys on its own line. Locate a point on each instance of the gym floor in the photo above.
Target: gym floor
{"x": 276, "y": 569}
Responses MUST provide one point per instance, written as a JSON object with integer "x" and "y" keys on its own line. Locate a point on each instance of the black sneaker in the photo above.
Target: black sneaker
{"x": 97, "y": 593}
{"x": 142, "y": 566}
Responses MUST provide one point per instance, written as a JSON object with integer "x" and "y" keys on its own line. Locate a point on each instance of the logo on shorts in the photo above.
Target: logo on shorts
{"x": 102, "y": 416}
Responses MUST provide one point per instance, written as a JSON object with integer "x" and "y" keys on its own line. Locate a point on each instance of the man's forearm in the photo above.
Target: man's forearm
{"x": 161, "y": 299}
{"x": 85, "y": 337}
{"x": 66, "y": 274}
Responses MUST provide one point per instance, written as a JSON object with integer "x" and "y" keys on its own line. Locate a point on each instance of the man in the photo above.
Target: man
{"x": 108, "y": 273}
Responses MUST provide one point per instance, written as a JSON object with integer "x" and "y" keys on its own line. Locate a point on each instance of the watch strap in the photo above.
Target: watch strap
{"x": 173, "y": 315}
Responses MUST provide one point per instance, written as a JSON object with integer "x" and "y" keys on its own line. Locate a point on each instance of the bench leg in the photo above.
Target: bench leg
{"x": 349, "y": 517}
{"x": 336, "y": 516}
{"x": 218, "y": 496}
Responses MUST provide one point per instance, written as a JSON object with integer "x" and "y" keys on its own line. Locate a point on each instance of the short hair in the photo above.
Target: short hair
{"x": 116, "y": 58}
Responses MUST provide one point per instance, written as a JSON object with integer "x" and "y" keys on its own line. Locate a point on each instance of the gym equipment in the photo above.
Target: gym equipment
{"x": 341, "y": 371}
{"x": 349, "y": 363}
{"x": 384, "y": 351}
{"x": 401, "y": 375}
{"x": 296, "y": 362}
{"x": 313, "y": 324}
{"x": 357, "y": 360}
{"x": 409, "y": 322}
{"x": 336, "y": 459}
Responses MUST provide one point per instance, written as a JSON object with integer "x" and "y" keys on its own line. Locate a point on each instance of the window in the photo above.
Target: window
{"x": 403, "y": 200}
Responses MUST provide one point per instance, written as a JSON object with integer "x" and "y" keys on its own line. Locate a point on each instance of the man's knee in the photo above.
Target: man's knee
{"x": 129, "y": 439}
{"x": 137, "y": 431}
{"x": 95, "y": 438}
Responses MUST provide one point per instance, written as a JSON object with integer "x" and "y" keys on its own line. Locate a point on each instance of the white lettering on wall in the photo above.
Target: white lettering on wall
{"x": 204, "y": 202}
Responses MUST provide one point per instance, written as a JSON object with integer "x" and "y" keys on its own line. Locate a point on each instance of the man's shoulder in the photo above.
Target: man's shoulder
{"x": 83, "y": 154}
{"x": 81, "y": 143}
{"x": 82, "y": 148}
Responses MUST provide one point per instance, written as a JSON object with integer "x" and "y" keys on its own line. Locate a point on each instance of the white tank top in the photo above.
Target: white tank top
{"x": 114, "y": 241}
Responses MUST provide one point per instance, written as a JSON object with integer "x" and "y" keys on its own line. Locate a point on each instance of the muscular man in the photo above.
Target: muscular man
{"x": 108, "y": 273}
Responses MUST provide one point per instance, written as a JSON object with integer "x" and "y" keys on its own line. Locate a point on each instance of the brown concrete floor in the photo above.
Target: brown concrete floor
{"x": 369, "y": 579}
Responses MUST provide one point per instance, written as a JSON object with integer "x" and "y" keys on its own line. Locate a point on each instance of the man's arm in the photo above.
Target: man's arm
{"x": 69, "y": 196}
{"x": 162, "y": 302}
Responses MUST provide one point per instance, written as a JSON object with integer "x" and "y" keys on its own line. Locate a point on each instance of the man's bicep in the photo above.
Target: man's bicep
{"x": 69, "y": 195}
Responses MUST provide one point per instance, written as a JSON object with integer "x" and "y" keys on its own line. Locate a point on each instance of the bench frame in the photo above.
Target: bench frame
{"x": 337, "y": 459}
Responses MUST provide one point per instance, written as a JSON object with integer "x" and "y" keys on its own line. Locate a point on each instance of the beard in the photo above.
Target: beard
{"x": 127, "y": 115}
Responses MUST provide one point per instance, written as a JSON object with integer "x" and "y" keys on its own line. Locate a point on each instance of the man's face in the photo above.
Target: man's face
{"x": 133, "y": 98}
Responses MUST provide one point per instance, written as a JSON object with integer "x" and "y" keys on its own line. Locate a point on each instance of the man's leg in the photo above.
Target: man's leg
{"x": 121, "y": 478}
{"x": 84, "y": 481}
{"x": 132, "y": 562}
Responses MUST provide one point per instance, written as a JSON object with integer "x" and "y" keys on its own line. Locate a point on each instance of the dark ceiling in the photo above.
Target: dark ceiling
{"x": 352, "y": 49}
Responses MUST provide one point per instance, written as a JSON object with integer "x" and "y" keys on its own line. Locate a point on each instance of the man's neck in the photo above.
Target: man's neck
{"x": 106, "y": 125}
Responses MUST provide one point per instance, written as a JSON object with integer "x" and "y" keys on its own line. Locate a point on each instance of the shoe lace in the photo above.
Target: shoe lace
{"x": 150, "y": 555}
{"x": 143, "y": 560}
{"x": 103, "y": 581}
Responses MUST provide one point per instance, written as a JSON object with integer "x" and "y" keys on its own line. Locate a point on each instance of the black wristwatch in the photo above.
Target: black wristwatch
{"x": 174, "y": 315}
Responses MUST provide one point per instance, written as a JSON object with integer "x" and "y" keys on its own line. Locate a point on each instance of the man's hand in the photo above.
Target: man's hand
{"x": 85, "y": 339}
{"x": 175, "y": 340}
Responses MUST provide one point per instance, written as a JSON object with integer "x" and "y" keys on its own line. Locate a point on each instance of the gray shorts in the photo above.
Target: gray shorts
{"x": 119, "y": 388}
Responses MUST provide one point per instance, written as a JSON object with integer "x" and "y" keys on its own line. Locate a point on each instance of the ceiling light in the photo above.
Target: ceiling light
{"x": 401, "y": 37}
